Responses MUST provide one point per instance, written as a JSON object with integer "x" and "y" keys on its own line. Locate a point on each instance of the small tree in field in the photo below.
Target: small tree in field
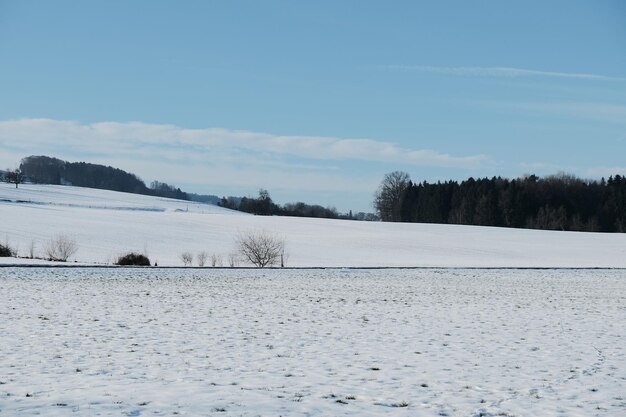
{"x": 187, "y": 258}
{"x": 216, "y": 260}
{"x": 14, "y": 176}
{"x": 233, "y": 260}
{"x": 202, "y": 257}
{"x": 60, "y": 248}
{"x": 31, "y": 249}
{"x": 261, "y": 248}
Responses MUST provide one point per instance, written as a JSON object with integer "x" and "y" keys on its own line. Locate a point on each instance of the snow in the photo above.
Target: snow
{"x": 79, "y": 197}
{"x": 106, "y": 224}
{"x": 303, "y": 342}
{"x": 139, "y": 342}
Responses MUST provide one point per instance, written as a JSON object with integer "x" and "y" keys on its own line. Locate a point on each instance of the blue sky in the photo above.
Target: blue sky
{"x": 315, "y": 101}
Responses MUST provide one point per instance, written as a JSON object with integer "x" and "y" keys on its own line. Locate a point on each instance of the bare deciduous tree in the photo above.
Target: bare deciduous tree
{"x": 202, "y": 257}
{"x": 387, "y": 198}
{"x": 60, "y": 248}
{"x": 187, "y": 258}
{"x": 261, "y": 248}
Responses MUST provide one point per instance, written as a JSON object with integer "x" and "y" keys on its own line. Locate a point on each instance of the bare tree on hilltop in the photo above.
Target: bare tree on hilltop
{"x": 388, "y": 195}
{"x": 554, "y": 202}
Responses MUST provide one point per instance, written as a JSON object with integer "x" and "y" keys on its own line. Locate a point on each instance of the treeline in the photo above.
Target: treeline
{"x": 204, "y": 198}
{"x": 263, "y": 205}
{"x": 47, "y": 170}
{"x": 559, "y": 202}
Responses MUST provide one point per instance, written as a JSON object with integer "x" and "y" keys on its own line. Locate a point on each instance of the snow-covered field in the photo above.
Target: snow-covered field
{"x": 106, "y": 224}
{"x": 145, "y": 342}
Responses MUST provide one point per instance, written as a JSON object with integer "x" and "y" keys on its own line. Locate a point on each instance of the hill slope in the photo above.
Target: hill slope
{"x": 107, "y": 223}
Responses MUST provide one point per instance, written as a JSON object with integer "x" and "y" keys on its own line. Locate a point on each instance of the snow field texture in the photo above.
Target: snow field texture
{"x": 107, "y": 224}
{"x": 144, "y": 342}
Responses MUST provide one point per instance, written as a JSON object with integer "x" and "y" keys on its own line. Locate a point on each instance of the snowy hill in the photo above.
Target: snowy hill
{"x": 78, "y": 197}
{"x": 106, "y": 224}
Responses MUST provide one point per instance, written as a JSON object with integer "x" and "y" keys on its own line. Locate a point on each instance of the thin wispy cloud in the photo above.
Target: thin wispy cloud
{"x": 540, "y": 167}
{"x": 608, "y": 113}
{"x": 501, "y": 72}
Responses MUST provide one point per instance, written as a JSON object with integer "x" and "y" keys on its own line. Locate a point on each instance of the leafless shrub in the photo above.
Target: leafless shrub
{"x": 216, "y": 260}
{"x": 202, "y": 258}
{"x": 60, "y": 248}
{"x": 7, "y": 250}
{"x": 261, "y": 248}
{"x": 187, "y": 258}
{"x": 233, "y": 260}
{"x": 31, "y": 249}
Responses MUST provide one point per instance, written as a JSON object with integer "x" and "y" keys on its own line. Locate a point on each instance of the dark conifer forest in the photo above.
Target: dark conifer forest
{"x": 558, "y": 202}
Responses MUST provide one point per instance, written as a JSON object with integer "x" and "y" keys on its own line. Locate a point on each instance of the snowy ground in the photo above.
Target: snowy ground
{"x": 106, "y": 224}
{"x": 145, "y": 342}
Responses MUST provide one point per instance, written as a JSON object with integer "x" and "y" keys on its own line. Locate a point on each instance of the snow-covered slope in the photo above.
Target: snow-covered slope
{"x": 106, "y": 224}
{"x": 99, "y": 342}
{"x": 78, "y": 197}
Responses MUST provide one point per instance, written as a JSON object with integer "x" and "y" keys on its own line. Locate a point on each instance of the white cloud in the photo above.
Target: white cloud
{"x": 176, "y": 143}
{"x": 540, "y": 167}
{"x": 219, "y": 157}
{"x": 500, "y": 72}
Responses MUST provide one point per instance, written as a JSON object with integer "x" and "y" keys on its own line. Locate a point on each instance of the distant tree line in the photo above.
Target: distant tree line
{"x": 204, "y": 198}
{"x": 162, "y": 189}
{"x": 47, "y": 170}
{"x": 557, "y": 202}
{"x": 263, "y": 205}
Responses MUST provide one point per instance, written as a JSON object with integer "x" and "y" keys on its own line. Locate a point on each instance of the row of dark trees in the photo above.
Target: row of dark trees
{"x": 558, "y": 202}
{"x": 162, "y": 189}
{"x": 263, "y": 205}
{"x": 47, "y": 170}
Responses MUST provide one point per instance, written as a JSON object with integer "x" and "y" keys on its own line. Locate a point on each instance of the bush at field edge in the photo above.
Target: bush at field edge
{"x": 135, "y": 259}
{"x": 6, "y": 251}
